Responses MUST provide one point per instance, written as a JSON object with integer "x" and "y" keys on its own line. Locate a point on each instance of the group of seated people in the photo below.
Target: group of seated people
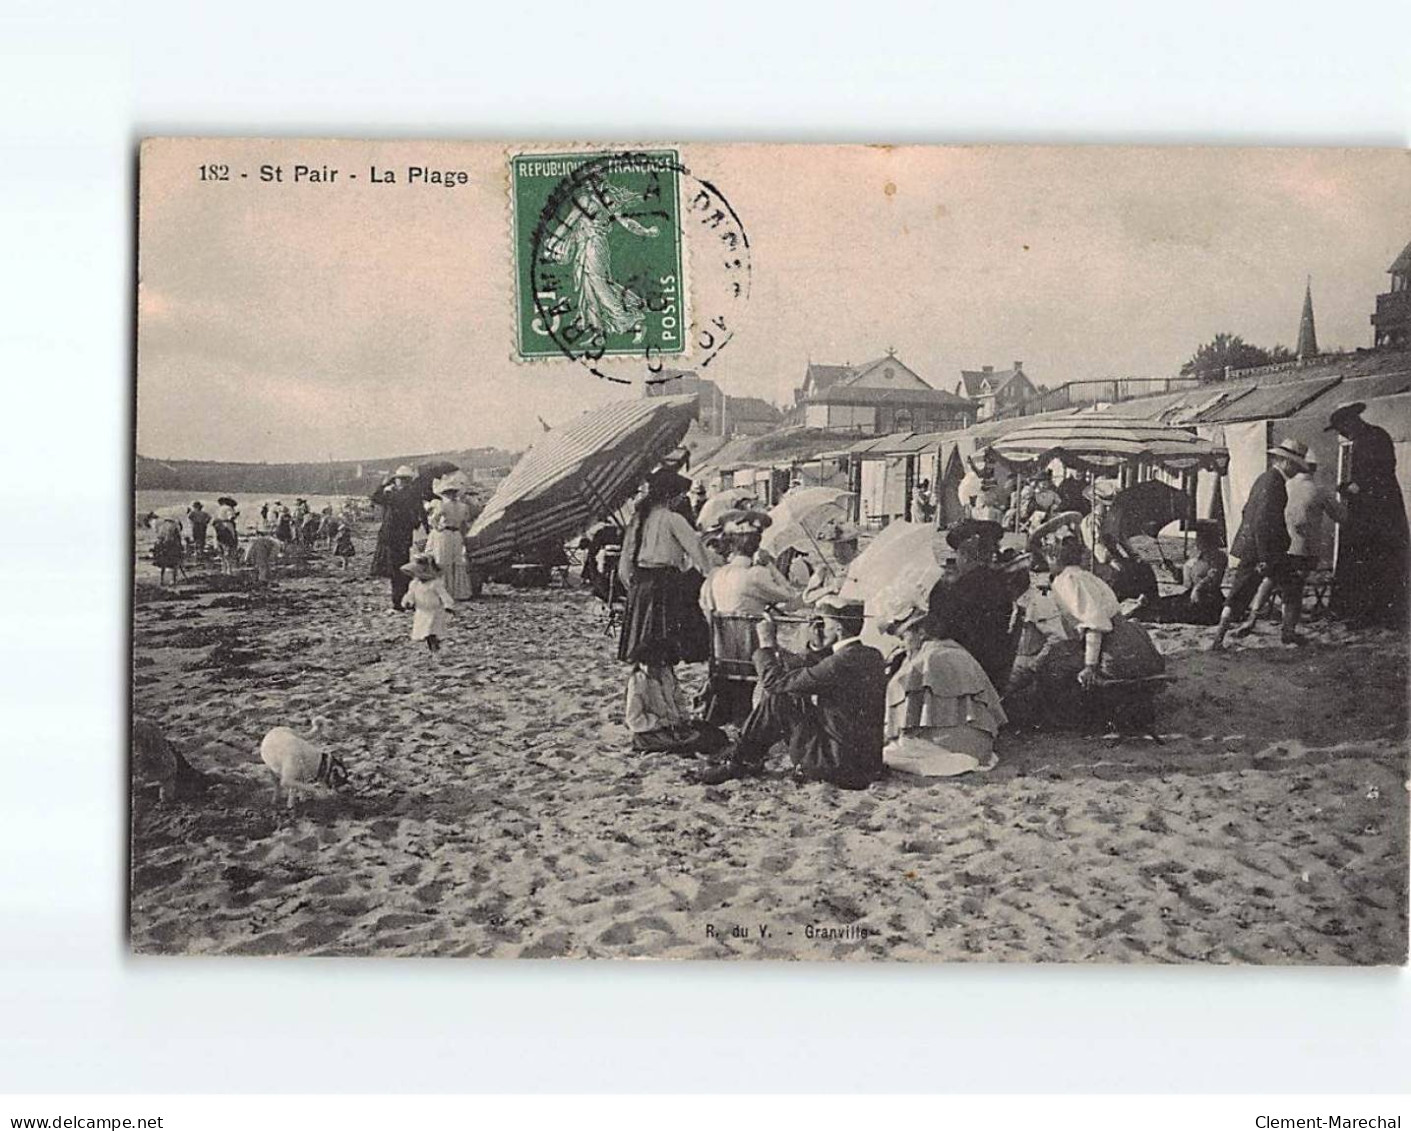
{"x": 982, "y": 649}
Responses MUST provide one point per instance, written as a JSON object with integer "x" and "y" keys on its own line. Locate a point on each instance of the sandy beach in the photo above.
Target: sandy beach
{"x": 495, "y": 809}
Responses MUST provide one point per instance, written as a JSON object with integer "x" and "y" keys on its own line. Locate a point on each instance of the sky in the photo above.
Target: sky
{"x": 282, "y": 322}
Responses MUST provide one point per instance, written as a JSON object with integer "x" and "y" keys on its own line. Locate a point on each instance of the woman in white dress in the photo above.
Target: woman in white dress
{"x": 1078, "y": 638}
{"x": 450, "y": 518}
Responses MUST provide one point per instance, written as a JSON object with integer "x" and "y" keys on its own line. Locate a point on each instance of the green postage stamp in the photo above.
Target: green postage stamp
{"x": 597, "y": 240}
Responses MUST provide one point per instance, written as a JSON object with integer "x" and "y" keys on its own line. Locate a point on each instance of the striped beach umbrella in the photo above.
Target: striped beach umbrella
{"x": 1100, "y": 441}
{"x": 578, "y": 474}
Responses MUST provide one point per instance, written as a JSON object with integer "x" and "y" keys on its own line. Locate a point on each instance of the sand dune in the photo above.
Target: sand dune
{"x": 495, "y": 809}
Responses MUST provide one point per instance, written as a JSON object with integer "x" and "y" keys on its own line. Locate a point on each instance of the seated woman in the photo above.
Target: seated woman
{"x": 943, "y": 713}
{"x": 1202, "y": 575}
{"x": 747, "y": 585}
{"x": 1126, "y": 573}
{"x": 975, "y": 600}
{"x": 1076, "y": 640}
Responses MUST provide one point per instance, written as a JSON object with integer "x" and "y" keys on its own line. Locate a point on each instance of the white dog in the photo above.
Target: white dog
{"x": 298, "y": 764}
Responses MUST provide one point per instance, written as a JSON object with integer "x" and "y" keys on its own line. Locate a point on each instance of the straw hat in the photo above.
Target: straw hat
{"x": 423, "y": 567}
{"x": 831, "y": 604}
{"x": 406, "y": 471}
{"x": 899, "y": 609}
{"x": 1343, "y": 412}
{"x": 1293, "y": 451}
{"x": 456, "y": 481}
{"x": 744, "y": 521}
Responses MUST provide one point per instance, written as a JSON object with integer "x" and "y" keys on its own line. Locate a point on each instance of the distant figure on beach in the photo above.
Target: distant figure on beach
{"x": 403, "y": 511}
{"x": 450, "y": 518}
{"x": 1262, "y": 546}
{"x": 167, "y": 550}
{"x": 923, "y": 506}
{"x": 343, "y": 545}
{"x": 200, "y": 519}
{"x": 943, "y": 713}
{"x": 1202, "y": 574}
{"x": 1370, "y": 583}
{"x": 283, "y": 524}
{"x": 828, "y": 704}
{"x": 264, "y": 516}
{"x": 227, "y": 535}
{"x": 427, "y": 595}
{"x": 261, "y": 551}
{"x": 308, "y": 529}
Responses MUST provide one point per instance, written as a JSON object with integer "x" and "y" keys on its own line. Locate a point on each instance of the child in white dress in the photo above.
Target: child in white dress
{"x": 428, "y": 596}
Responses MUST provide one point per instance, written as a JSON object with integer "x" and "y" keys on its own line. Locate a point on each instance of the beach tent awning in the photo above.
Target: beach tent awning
{"x": 920, "y": 442}
{"x": 1270, "y": 402}
{"x": 879, "y": 447}
{"x": 1153, "y": 408}
{"x": 1097, "y": 441}
{"x": 578, "y": 474}
{"x": 1360, "y": 389}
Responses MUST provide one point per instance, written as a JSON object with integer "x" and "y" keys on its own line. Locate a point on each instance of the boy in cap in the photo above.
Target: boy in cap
{"x": 828, "y": 704}
{"x": 1262, "y": 544}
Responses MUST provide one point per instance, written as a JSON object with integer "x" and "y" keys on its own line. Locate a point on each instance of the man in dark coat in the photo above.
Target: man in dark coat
{"x": 403, "y": 510}
{"x": 1262, "y": 542}
{"x": 1370, "y": 582}
{"x": 828, "y": 705}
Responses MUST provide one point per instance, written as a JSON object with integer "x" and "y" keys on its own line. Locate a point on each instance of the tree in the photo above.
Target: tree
{"x": 1231, "y": 351}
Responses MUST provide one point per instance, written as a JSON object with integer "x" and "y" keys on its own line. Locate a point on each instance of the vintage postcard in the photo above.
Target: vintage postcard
{"x": 674, "y": 550}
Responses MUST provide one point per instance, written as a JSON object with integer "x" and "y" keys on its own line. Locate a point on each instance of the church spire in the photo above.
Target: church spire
{"x": 1307, "y": 334}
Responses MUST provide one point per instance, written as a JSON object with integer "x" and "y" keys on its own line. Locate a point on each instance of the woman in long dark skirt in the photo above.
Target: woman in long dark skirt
{"x": 662, "y": 623}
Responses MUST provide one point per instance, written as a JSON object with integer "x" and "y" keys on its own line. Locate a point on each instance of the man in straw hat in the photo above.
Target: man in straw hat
{"x": 1262, "y": 544}
{"x": 1370, "y": 585}
{"x": 828, "y": 705}
{"x": 403, "y": 511}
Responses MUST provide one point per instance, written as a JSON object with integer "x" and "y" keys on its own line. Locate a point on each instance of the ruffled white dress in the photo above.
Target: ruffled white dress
{"x": 943, "y": 713}
{"x": 450, "y": 519}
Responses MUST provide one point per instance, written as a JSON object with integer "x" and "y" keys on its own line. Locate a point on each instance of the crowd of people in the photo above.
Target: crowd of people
{"x": 1052, "y": 636}
{"x": 1045, "y": 632}
{"x": 997, "y": 638}
{"x": 282, "y": 534}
